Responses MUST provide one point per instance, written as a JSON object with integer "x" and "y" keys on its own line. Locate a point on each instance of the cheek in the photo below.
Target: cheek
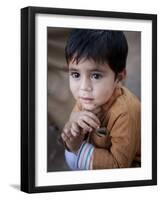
{"x": 74, "y": 88}
{"x": 104, "y": 91}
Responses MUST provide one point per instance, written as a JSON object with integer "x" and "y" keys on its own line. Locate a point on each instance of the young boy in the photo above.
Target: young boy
{"x": 104, "y": 127}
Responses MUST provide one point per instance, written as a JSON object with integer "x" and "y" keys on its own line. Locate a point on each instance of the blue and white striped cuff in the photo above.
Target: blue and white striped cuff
{"x": 84, "y": 156}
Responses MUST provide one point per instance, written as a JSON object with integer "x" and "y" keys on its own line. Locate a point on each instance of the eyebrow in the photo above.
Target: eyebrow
{"x": 97, "y": 70}
{"x": 73, "y": 69}
{"x": 92, "y": 70}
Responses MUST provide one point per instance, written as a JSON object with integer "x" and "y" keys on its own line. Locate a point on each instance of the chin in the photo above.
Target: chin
{"x": 89, "y": 107}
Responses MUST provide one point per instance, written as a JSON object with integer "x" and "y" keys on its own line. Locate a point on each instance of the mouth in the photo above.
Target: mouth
{"x": 86, "y": 99}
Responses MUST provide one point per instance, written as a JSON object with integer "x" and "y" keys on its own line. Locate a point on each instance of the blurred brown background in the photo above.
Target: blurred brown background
{"x": 60, "y": 100}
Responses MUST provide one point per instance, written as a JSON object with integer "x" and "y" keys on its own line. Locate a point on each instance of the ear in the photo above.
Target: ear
{"x": 121, "y": 76}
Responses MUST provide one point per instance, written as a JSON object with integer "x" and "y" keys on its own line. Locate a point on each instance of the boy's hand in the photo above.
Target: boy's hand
{"x": 72, "y": 136}
{"x": 79, "y": 124}
{"x": 87, "y": 120}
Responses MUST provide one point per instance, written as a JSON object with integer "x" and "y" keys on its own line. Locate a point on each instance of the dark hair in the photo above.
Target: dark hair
{"x": 103, "y": 46}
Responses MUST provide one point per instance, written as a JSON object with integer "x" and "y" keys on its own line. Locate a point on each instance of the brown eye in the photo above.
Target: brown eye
{"x": 75, "y": 75}
{"x": 96, "y": 76}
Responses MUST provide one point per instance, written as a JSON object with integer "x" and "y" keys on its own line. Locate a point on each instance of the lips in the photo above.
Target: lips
{"x": 86, "y": 99}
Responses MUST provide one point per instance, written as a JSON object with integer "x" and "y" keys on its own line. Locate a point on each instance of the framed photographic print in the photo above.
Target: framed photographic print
{"x": 88, "y": 99}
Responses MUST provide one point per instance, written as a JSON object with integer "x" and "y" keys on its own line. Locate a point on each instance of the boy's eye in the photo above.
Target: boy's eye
{"x": 75, "y": 75}
{"x": 96, "y": 76}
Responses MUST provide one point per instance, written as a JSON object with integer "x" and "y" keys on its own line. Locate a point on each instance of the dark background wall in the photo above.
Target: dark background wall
{"x": 60, "y": 100}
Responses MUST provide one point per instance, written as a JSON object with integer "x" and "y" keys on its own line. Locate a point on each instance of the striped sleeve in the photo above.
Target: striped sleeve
{"x": 84, "y": 156}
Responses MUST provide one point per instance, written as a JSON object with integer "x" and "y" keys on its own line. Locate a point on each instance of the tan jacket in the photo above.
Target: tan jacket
{"x": 122, "y": 147}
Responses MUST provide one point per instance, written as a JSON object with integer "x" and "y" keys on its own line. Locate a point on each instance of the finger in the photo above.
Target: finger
{"x": 67, "y": 125}
{"x": 75, "y": 127}
{"x": 74, "y": 134}
{"x": 92, "y": 116}
{"x": 64, "y": 137}
{"x": 67, "y": 138}
{"x": 84, "y": 125}
{"x": 66, "y": 131}
{"x": 90, "y": 122}
{"x": 71, "y": 138}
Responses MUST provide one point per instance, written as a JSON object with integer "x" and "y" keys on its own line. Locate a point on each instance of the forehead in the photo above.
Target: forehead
{"x": 88, "y": 65}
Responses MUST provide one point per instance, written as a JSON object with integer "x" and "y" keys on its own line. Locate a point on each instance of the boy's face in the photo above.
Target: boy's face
{"x": 91, "y": 84}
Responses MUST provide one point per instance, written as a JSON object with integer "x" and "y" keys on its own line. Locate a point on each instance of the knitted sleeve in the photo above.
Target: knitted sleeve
{"x": 82, "y": 160}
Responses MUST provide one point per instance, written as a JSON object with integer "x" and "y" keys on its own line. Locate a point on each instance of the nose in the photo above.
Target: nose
{"x": 86, "y": 84}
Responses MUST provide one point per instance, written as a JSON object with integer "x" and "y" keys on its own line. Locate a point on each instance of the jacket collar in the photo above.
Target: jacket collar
{"x": 106, "y": 107}
{"x": 116, "y": 93}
